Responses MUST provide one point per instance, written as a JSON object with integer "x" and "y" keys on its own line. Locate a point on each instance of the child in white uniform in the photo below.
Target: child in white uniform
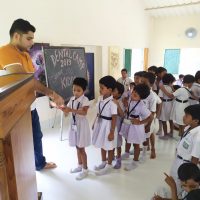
{"x": 104, "y": 133}
{"x": 155, "y": 126}
{"x": 138, "y": 77}
{"x": 79, "y": 133}
{"x": 126, "y": 95}
{"x": 151, "y": 103}
{"x": 181, "y": 102}
{"x": 161, "y": 71}
{"x": 117, "y": 98}
{"x": 188, "y": 148}
{"x": 167, "y": 104}
{"x": 196, "y": 89}
{"x": 153, "y": 70}
{"x": 133, "y": 125}
{"x": 137, "y": 80}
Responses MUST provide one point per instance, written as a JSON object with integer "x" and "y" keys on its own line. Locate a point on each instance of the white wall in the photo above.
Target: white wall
{"x": 96, "y": 24}
{"x": 88, "y": 22}
{"x": 169, "y": 33}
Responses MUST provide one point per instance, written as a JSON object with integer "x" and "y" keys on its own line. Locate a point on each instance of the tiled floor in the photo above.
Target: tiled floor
{"x": 139, "y": 184}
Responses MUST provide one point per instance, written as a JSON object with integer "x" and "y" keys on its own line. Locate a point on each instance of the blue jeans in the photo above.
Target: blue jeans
{"x": 40, "y": 160}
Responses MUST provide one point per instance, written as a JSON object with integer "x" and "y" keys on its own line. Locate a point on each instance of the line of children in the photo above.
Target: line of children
{"x": 181, "y": 101}
{"x": 132, "y": 115}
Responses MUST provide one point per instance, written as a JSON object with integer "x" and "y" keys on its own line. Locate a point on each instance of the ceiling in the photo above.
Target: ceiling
{"x": 165, "y": 8}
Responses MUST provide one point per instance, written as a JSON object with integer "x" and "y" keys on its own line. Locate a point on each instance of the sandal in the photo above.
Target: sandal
{"x": 50, "y": 165}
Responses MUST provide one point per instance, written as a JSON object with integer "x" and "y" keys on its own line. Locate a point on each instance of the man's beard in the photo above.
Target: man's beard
{"x": 22, "y": 48}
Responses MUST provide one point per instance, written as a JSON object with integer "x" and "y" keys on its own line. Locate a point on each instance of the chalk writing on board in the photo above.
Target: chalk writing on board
{"x": 63, "y": 65}
{"x": 64, "y": 58}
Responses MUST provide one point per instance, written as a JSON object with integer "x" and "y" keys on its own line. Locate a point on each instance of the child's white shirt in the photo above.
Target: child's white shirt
{"x": 189, "y": 146}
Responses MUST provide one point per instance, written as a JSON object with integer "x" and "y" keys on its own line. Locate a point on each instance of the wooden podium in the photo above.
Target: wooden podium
{"x": 17, "y": 167}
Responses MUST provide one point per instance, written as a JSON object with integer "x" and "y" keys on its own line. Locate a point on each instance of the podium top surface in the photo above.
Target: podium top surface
{"x": 10, "y": 82}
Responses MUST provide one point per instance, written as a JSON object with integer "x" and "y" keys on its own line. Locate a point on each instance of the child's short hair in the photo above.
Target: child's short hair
{"x": 176, "y": 87}
{"x": 142, "y": 90}
{"x": 193, "y": 195}
{"x": 81, "y": 82}
{"x": 181, "y": 76}
{"x": 140, "y": 73}
{"x": 119, "y": 87}
{"x": 108, "y": 81}
{"x": 152, "y": 68}
{"x": 167, "y": 79}
{"x": 132, "y": 84}
{"x": 124, "y": 70}
{"x": 194, "y": 111}
{"x": 197, "y": 76}
{"x": 160, "y": 70}
{"x": 189, "y": 171}
{"x": 188, "y": 79}
{"x": 150, "y": 76}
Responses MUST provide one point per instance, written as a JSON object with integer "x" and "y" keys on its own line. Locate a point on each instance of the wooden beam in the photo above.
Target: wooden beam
{"x": 173, "y": 6}
{"x": 146, "y": 56}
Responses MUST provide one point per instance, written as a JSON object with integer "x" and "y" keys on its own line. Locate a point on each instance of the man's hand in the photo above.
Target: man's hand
{"x": 65, "y": 109}
{"x": 59, "y": 101}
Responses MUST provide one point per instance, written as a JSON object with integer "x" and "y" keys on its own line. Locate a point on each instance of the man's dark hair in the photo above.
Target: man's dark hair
{"x": 21, "y": 26}
{"x": 189, "y": 171}
{"x": 150, "y": 77}
{"x": 124, "y": 70}
{"x": 108, "y": 81}
{"x": 194, "y": 111}
{"x": 188, "y": 79}
{"x": 81, "y": 82}
{"x": 142, "y": 90}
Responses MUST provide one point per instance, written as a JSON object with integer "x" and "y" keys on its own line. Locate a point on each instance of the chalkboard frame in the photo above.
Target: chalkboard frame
{"x": 64, "y": 47}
